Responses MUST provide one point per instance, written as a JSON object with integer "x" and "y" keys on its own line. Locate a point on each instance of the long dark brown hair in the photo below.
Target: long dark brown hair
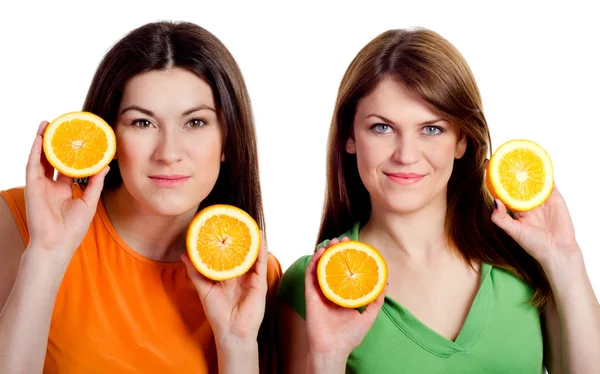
{"x": 164, "y": 45}
{"x": 432, "y": 68}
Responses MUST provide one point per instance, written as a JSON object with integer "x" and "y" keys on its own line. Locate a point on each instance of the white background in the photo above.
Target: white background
{"x": 537, "y": 67}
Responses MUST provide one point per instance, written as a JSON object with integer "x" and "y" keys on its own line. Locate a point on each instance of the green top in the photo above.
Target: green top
{"x": 502, "y": 332}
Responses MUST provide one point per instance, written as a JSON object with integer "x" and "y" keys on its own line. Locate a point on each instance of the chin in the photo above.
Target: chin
{"x": 403, "y": 204}
{"x": 173, "y": 207}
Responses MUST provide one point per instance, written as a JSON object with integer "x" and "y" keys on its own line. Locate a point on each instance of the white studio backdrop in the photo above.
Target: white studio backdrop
{"x": 536, "y": 65}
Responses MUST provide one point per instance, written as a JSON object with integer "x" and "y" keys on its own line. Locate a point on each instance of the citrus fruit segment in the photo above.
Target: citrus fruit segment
{"x": 223, "y": 242}
{"x": 520, "y": 174}
{"x": 352, "y": 274}
{"x": 79, "y": 144}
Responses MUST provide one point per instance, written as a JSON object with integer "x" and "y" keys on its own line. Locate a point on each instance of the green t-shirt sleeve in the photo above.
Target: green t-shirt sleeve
{"x": 291, "y": 286}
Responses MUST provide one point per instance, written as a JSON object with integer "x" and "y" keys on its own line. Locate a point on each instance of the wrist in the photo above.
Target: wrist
{"x": 236, "y": 355}
{"x": 44, "y": 263}
{"x": 565, "y": 269}
{"x": 327, "y": 362}
{"x": 236, "y": 345}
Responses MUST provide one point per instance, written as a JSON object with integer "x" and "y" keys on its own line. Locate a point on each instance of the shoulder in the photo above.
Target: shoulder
{"x": 273, "y": 271}
{"x": 13, "y": 231}
{"x": 291, "y": 287}
{"x": 14, "y": 205}
{"x": 508, "y": 286}
{"x": 352, "y": 234}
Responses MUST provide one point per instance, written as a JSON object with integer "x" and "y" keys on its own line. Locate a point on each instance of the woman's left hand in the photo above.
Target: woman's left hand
{"x": 545, "y": 232}
{"x": 234, "y": 308}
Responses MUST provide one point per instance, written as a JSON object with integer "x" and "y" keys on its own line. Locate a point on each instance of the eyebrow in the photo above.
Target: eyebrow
{"x": 151, "y": 114}
{"x": 426, "y": 123}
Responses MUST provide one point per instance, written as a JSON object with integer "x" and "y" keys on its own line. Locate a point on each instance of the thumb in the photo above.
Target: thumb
{"x": 503, "y": 220}
{"x": 201, "y": 283}
{"x": 372, "y": 310}
{"x": 91, "y": 194}
{"x": 311, "y": 282}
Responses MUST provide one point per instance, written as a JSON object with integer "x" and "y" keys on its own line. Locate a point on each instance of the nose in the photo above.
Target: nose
{"x": 168, "y": 148}
{"x": 408, "y": 150}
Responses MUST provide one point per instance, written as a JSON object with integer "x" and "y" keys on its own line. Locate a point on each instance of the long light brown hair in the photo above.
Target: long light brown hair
{"x": 432, "y": 68}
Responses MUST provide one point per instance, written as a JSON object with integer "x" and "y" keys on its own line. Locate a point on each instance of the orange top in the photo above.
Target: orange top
{"x": 119, "y": 312}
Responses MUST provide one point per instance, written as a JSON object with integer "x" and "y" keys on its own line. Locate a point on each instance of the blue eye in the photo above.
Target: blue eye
{"x": 381, "y": 128}
{"x": 432, "y": 130}
{"x": 141, "y": 123}
{"x": 196, "y": 123}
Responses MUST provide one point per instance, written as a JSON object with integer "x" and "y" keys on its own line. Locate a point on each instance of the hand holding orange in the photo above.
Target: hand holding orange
{"x": 520, "y": 174}
{"x": 352, "y": 274}
{"x": 79, "y": 144}
{"x": 223, "y": 242}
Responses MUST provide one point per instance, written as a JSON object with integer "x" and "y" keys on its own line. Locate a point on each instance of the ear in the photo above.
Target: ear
{"x": 223, "y": 158}
{"x": 351, "y": 145}
{"x": 461, "y": 148}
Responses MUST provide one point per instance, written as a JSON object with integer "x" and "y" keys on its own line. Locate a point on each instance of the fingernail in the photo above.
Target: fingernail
{"x": 495, "y": 204}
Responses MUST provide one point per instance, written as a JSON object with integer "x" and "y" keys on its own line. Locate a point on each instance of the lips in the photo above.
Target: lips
{"x": 405, "y": 178}
{"x": 171, "y": 180}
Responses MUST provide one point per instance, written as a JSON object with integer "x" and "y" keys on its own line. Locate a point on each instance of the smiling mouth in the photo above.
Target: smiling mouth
{"x": 169, "y": 181}
{"x": 405, "y": 179}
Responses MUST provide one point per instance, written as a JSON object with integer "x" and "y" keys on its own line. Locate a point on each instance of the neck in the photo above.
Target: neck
{"x": 417, "y": 236}
{"x": 156, "y": 237}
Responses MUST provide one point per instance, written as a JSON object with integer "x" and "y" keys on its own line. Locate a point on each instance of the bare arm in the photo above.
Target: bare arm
{"x": 573, "y": 323}
{"x": 27, "y": 295}
{"x": 292, "y": 340}
{"x": 57, "y": 223}
{"x": 572, "y": 319}
{"x": 11, "y": 249}
{"x": 322, "y": 343}
{"x": 295, "y": 351}
{"x": 552, "y": 338}
{"x": 26, "y": 315}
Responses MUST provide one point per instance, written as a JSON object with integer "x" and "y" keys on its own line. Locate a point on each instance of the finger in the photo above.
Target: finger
{"x": 333, "y": 241}
{"x": 201, "y": 283}
{"x": 261, "y": 264}
{"x": 91, "y": 194}
{"x": 373, "y": 308}
{"x": 34, "y": 167}
{"x": 46, "y": 166}
{"x": 61, "y": 178}
{"x": 345, "y": 239}
{"x": 503, "y": 220}
{"x": 311, "y": 281}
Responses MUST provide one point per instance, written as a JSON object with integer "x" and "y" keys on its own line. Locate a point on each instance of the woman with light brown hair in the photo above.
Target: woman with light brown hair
{"x": 471, "y": 289}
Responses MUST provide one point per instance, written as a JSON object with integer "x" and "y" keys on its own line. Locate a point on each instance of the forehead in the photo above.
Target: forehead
{"x": 174, "y": 88}
{"x": 393, "y": 99}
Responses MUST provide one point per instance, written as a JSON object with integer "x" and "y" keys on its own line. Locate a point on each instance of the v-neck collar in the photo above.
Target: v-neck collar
{"x": 428, "y": 338}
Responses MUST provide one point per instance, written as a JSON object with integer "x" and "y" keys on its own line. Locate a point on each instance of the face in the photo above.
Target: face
{"x": 169, "y": 141}
{"x": 405, "y": 151}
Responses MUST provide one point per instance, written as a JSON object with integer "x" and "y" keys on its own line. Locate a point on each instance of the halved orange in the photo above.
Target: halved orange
{"x": 520, "y": 174}
{"x": 79, "y": 144}
{"x": 352, "y": 274}
{"x": 223, "y": 242}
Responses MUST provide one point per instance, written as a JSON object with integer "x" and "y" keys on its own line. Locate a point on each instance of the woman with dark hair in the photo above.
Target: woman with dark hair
{"x": 94, "y": 275}
{"x": 471, "y": 289}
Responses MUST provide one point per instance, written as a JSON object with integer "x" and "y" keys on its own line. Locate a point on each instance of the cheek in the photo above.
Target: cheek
{"x": 206, "y": 154}
{"x": 127, "y": 149}
{"x": 371, "y": 153}
{"x": 441, "y": 156}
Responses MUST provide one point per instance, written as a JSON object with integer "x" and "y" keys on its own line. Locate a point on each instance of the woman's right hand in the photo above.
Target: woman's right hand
{"x": 334, "y": 331}
{"x": 57, "y": 220}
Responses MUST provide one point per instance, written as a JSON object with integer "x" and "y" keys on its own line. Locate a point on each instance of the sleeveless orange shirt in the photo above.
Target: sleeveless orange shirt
{"x": 119, "y": 312}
